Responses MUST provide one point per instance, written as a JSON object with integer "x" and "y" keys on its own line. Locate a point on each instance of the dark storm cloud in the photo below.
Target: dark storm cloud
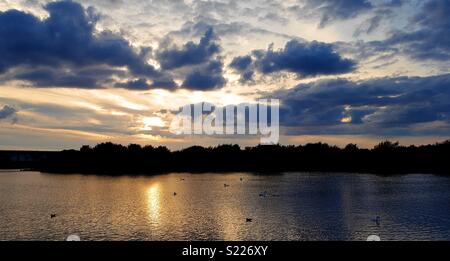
{"x": 332, "y": 10}
{"x": 431, "y": 39}
{"x": 247, "y": 76}
{"x": 66, "y": 40}
{"x": 306, "y": 59}
{"x": 67, "y": 77}
{"x": 143, "y": 84}
{"x": 241, "y": 63}
{"x": 199, "y": 63}
{"x": 207, "y": 77}
{"x": 165, "y": 82}
{"x": 7, "y": 112}
{"x": 190, "y": 53}
{"x": 135, "y": 84}
{"x": 374, "y": 106}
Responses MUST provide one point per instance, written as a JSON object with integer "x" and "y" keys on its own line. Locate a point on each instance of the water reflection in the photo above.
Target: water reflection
{"x": 153, "y": 202}
{"x": 298, "y": 206}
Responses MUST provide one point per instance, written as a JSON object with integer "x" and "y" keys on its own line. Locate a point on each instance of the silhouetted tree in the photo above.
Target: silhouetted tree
{"x": 115, "y": 159}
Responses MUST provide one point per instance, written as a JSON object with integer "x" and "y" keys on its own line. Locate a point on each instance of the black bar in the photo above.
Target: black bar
{"x": 157, "y": 250}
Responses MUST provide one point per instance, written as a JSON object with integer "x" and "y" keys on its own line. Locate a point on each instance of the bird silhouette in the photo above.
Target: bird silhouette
{"x": 248, "y": 219}
{"x": 52, "y": 215}
{"x": 377, "y": 220}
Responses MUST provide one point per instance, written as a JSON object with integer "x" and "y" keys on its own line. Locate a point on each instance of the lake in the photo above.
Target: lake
{"x": 289, "y": 206}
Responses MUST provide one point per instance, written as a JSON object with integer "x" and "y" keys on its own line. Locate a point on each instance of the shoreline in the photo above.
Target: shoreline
{"x": 256, "y": 173}
{"x": 386, "y": 159}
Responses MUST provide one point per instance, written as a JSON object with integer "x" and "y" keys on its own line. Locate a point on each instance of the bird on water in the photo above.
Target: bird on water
{"x": 377, "y": 220}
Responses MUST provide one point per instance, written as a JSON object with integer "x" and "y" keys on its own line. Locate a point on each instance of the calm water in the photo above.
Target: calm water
{"x": 298, "y": 206}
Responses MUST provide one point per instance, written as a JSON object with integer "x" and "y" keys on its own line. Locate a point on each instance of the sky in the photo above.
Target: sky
{"x": 355, "y": 71}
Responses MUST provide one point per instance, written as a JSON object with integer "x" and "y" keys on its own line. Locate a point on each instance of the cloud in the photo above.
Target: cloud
{"x": 372, "y": 23}
{"x": 200, "y": 64}
{"x": 207, "y": 77}
{"x": 274, "y": 17}
{"x": 97, "y": 120}
{"x": 241, "y": 63}
{"x": 381, "y": 13}
{"x": 55, "y": 50}
{"x": 394, "y": 3}
{"x": 164, "y": 82}
{"x": 67, "y": 77}
{"x": 379, "y": 106}
{"x": 306, "y": 59}
{"x": 226, "y": 29}
{"x": 135, "y": 84}
{"x": 332, "y": 10}
{"x": 143, "y": 84}
{"x": 190, "y": 53}
{"x": 430, "y": 40}
{"x": 7, "y": 112}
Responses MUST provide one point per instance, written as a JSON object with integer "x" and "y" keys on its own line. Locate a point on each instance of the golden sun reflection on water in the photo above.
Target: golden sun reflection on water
{"x": 153, "y": 202}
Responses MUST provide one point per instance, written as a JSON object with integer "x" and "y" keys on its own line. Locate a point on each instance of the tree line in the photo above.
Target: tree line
{"x": 114, "y": 159}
